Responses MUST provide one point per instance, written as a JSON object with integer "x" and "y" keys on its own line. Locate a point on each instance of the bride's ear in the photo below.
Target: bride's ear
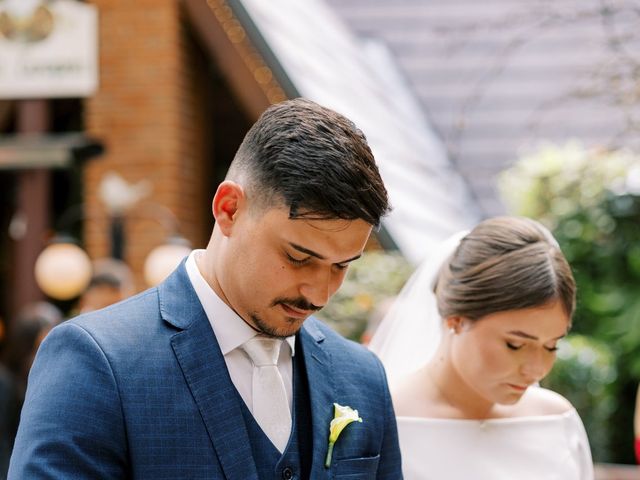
{"x": 454, "y": 323}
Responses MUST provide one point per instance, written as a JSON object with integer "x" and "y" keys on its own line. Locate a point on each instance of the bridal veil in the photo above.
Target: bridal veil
{"x": 410, "y": 332}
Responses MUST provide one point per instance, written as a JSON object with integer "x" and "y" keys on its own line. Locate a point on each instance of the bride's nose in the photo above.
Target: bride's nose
{"x": 534, "y": 367}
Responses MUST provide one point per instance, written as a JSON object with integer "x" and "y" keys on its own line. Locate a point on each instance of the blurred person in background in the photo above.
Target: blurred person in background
{"x": 8, "y": 410}
{"x": 9, "y": 415}
{"x": 111, "y": 282}
{"x": 465, "y": 345}
{"x": 24, "y": 336}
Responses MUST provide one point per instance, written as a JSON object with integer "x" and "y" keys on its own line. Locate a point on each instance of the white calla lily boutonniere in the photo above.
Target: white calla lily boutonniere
{"x": 342, "y": 417}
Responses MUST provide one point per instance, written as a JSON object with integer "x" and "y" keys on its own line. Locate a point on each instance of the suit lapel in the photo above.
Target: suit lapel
{"x": 206, "y": 374}
{"x": 322, "y": 393}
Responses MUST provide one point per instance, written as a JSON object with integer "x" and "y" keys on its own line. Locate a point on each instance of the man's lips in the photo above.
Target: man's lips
{"x": 295, "y": 312}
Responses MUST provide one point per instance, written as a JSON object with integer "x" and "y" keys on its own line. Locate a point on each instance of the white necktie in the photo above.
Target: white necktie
{"x": 270, "y": 404}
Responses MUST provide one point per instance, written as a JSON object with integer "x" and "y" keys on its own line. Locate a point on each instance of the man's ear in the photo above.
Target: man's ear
{"x": 227, "y": 201}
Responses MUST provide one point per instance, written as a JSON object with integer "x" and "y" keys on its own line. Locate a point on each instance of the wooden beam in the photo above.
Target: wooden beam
{"x": 34, "y": 192}
{"x": 227, "y": 42}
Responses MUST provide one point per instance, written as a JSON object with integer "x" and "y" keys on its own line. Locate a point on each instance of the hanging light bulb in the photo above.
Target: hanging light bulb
{"x": 63, "y": 270}
{"x": 164, "y": 259}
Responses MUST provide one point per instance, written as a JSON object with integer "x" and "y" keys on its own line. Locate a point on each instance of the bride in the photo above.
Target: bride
{"x": 465, "y": 344}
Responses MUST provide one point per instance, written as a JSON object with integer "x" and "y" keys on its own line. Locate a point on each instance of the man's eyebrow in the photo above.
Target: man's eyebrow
{"x": 519, "y": 333}
{"x": 302, "y": 249}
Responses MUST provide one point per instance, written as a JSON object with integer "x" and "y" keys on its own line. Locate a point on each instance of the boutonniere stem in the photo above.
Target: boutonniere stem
{"x": 342, "y": 416}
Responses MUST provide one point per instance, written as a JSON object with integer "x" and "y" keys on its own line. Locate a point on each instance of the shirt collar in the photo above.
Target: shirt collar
{"x": 231, "y": 331}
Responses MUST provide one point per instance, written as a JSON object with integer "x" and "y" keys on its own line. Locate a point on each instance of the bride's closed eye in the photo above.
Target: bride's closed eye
{"x": 513, "y": 346}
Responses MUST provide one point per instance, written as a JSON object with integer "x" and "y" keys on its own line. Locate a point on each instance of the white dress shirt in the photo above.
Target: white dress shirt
{"x": 231, "y": 332}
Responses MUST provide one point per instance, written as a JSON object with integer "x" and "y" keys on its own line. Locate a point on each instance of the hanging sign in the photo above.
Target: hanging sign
{"x": 48, "y": 49}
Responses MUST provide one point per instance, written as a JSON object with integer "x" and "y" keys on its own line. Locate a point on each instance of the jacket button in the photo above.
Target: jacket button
{"x": 287, "y": 473}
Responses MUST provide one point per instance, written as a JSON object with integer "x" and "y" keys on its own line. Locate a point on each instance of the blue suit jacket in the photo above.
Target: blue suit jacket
{"x": 141, "y": 390}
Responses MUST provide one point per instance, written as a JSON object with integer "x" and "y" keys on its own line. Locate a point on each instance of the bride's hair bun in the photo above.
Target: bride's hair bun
{"x": 504, "y": 263}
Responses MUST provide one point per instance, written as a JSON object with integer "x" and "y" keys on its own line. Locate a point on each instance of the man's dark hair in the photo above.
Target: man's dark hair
{"x": 312, "y": 159}
{"x": 105, "y": 280}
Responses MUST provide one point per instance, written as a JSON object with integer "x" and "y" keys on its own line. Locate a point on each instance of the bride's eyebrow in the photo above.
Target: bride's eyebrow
{"x": 519, "y": 333}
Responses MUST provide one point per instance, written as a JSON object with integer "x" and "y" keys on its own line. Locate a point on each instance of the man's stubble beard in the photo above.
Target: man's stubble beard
{"x": 270, "y": 331}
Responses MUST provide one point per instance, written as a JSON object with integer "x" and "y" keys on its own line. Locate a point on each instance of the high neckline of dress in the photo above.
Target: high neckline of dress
{"x": 500, "y": 420}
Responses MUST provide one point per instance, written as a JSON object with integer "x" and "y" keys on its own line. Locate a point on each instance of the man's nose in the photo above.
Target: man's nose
{"x": 318, "y": 287}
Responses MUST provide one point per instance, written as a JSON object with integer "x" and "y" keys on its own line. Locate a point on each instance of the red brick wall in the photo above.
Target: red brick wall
{"x": 148, "y": 115}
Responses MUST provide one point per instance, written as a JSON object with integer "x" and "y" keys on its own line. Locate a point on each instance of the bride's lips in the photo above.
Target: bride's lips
{"x": 519, "y": 388}
{"x": 295, "y": 312}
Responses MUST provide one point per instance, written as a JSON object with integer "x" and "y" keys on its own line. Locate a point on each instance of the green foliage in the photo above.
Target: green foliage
{"x": 591, "y": 201}
{"x": 371, "y": 279}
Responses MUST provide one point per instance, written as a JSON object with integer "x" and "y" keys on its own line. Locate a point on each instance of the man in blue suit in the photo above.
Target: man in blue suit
{"x": 168, "y": 384}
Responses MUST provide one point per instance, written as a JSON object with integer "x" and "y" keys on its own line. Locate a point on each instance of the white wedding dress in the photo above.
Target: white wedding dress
{"x": 550, "y": 447}
{"x": 546, "y": 447}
